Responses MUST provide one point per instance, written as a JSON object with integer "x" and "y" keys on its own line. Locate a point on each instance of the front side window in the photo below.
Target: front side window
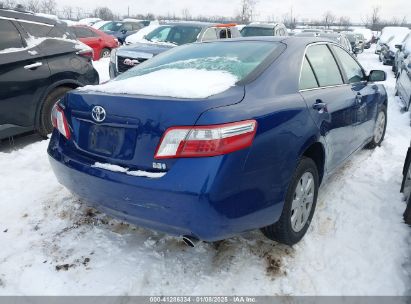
{"x": 307, "y": 79}
{"x": 324, "y": 65}
{"x": 238, "y": 58}
{"x": 10, "y": 37}
{"x": 351, "y": 68}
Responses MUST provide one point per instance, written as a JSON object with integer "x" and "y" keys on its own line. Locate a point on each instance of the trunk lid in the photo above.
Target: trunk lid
{"x": 133, "y": 124}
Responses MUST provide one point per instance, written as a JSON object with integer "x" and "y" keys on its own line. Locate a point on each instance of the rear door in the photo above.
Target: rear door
{"x": 330, "y": 102}
{"x": 23, "y": 79}
{"x": 366, "y": 95}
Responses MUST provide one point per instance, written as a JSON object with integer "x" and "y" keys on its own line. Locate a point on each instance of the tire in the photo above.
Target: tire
{"x": 407, "y": 212}
{"x": 288, "y": 230}
{"x": 105, "y": 53}
{"x": 380, "y": 127}
{"x": 45, "y": 125}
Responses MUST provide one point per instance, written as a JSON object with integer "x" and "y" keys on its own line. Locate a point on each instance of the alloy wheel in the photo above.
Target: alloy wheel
{"x": 379, "y": 127}
{"x": 302, "y": 201}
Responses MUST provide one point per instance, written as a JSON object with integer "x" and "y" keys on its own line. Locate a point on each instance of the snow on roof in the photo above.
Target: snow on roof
{"x": 178, "y": 83}
{"x": 389, "y": 31}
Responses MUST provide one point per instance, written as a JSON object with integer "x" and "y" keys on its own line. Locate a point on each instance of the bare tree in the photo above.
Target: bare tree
{"x": 374, "y": 21}
{"x": 328, "y": 19}
{"x": 33, "y": 6}
{"x": 344, "y": 22}
{"x": 48, "y": 7}
{"x": 68, "y": 12}
{"x": 9, "y": 3}
{"x": 247, "y": 10}
{"x": 186, "y": 14}
{"x": 103, "y": 13}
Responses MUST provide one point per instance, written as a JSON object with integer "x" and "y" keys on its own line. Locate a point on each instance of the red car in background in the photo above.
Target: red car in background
{"x": 100, "y": 42}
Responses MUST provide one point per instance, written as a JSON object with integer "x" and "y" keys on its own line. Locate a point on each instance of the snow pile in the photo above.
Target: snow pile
{"x": 101, "y": 67}
{"x": 139, "y": 36}
{"x": 178, "y": 83}
{"x": 119, "y": 169}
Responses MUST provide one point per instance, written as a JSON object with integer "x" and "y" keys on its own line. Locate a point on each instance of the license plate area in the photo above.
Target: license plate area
{"x": 106, "y": 140}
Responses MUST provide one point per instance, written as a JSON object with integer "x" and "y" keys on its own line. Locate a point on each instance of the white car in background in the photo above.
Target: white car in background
{"x": 387, "y": 33}
{"x": 139, "y": 36}
{"x": 89, "y": 21}
{"x": 99, "y": 24}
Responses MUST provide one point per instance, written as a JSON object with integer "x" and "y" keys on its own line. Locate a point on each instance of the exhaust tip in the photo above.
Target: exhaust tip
{"x": 190, "y": 241}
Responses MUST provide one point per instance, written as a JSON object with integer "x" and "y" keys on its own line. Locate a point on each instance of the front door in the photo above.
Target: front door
{"x": 330, "y": 102}
{"x": 23, "y": 78}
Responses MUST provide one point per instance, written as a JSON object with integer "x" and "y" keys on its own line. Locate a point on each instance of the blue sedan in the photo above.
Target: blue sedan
{"x": 250, "y": 157}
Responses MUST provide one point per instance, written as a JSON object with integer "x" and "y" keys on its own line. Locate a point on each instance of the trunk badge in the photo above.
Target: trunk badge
{"x": 98, "y": 113}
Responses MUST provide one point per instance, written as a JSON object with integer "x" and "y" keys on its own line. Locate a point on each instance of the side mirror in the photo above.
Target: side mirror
{"x": 123, "y": 31}
{"x": 377, "y": 75}
{"x": 398, "y": 46}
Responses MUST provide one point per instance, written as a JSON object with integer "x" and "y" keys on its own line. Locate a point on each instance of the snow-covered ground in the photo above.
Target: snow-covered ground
{"x": 50, "y": 243}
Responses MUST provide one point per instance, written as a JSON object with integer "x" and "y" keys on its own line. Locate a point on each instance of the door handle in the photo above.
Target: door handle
{"x": 33, "y": 66}
{"x": 320, "y": 106}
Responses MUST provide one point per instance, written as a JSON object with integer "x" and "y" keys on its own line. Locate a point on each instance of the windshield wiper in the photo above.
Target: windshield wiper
{"x": 172, "y": 42}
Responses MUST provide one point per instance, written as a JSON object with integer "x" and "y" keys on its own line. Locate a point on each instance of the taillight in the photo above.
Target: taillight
{"x": 203, "y": 141}
{"x": 59, "y": 121}
{"x": 86, "y": 53}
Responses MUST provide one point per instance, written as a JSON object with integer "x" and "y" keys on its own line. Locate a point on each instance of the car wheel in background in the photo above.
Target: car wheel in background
{"x": 45, "y": 124}
{"x": 299, "y": 205}
{"x": 379, "y": 129}
{"x": 105, "y": 53}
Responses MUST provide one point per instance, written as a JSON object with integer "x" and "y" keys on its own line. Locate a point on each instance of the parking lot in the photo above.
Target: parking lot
{"x": 357, "y": 244}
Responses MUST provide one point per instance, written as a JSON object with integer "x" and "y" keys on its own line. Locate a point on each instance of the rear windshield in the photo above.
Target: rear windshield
{"x": 249, "y": 31}
{"x": 238, "y": 58}
{"x": 175, "y": 34}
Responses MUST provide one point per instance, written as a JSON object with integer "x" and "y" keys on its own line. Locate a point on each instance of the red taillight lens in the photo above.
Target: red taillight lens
{"x": 204, "y": 141}
{"x": 59, "y": 121}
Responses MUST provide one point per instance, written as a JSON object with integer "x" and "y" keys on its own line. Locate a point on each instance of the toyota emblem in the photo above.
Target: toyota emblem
{"x": 98, "y": 113}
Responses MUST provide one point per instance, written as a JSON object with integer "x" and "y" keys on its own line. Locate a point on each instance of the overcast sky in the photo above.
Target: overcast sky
{"x": 314, "y": 9}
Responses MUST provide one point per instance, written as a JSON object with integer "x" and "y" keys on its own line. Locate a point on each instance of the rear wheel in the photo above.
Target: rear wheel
{"x": 299, "y": 205}
{"x": 105, "y": 53}
{"x": 45, "y": 125}
{"x": 379, "y": 129}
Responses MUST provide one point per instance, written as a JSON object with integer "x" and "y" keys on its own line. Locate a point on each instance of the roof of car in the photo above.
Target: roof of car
{"x": 285, "y": 39}
{"x": 26, "y": 16}
{"x": 198, "y": 24}
{"x": 263, "y": 25}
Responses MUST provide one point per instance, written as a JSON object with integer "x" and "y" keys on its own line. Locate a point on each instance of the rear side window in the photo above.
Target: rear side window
{"x": 351, "y": 68}
{"x": 10, "y": 37}
{"x": 307, "y": 79}
{"x": 82, "y": 32}
{"x": 210, "y": 34}
{"x": 324, "y": 65}
{"x": 36, "y": 30}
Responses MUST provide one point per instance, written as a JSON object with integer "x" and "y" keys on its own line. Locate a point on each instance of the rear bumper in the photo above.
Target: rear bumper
{"x": 199, "y": 198}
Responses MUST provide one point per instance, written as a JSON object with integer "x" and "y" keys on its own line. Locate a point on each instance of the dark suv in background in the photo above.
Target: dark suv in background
{"x": 40, "y": 61}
